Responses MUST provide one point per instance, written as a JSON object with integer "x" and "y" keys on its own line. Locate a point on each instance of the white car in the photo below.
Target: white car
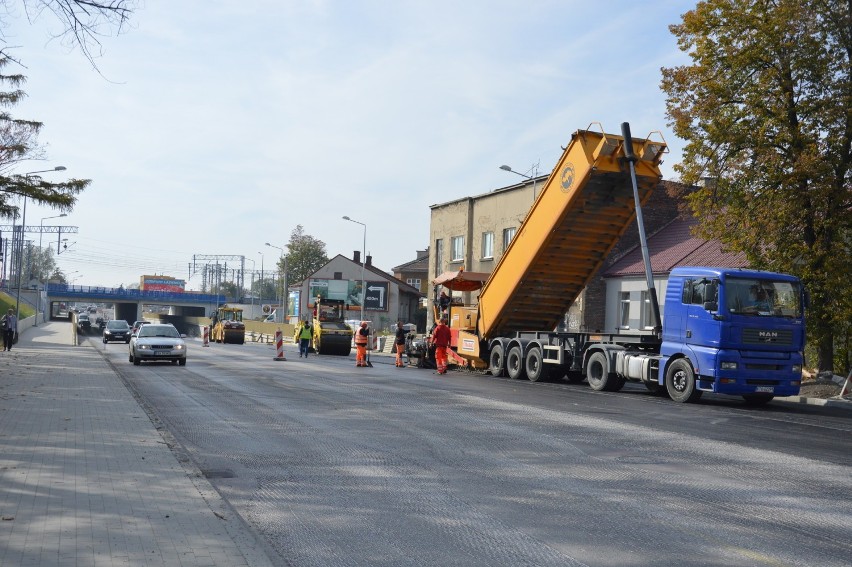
{"x": 157, "y": 341}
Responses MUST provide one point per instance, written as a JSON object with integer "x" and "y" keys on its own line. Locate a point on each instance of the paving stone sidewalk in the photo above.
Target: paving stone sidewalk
{"x": 85, "y": 477}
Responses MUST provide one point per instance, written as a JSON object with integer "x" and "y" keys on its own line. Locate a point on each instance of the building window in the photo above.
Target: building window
{"x": 457, "y": 245}
{"x": 439, "y": 256}
{"x": 413, "y": 282}
{"x": 508, "y": 235}
{"x": 487, "y": 245}
{"x": 338, "y": 275}
{"x": 624, "y": 320}
{"x": 647, "y": 323}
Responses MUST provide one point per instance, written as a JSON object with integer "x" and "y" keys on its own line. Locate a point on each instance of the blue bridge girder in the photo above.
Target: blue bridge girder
{"x": 107, "y": 294}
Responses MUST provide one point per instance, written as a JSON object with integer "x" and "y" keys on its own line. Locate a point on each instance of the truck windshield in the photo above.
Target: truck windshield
{"x": 763, "y": 298}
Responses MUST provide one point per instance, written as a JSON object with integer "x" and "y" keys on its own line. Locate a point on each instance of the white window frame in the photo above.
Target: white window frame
{"x": 457, "y": 249}
{"x": 645, "y": 315}
{"x": 624, "y": 310}
{"x": 508, "y": 235}
{"x": 413, "y": 282}
{"x": 487, "y": 245}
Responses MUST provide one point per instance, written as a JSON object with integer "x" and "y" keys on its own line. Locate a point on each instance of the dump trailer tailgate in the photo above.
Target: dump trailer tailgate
{"x": 586, "y": 205}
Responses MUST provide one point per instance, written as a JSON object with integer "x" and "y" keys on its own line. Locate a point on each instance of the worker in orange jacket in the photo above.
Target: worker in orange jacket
{"x": 441, "y": 338}
{"x": 362, "y": 335}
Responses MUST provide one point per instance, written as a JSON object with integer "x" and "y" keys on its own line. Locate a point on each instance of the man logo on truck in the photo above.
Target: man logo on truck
{"x": 567, "y": 177}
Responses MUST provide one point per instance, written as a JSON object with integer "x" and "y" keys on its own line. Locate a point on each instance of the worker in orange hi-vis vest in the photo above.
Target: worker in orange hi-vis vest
{"x": 399, "y": 343}
{"x": 441, "y": 339}
{"x": 362, "y": 335}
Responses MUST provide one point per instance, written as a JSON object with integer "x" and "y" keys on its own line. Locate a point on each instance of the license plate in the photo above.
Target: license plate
{"x": 765, "y": 389}
{"x": 166, "y": 352}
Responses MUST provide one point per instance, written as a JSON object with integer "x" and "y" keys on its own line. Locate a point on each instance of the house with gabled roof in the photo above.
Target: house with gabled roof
{"x": 627, "y": 300}
{"x": 388, "y": 299}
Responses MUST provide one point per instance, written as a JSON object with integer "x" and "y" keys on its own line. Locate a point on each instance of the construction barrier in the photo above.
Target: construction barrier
{"x": 279, "y": 345}
{"x": 206, "y": 335}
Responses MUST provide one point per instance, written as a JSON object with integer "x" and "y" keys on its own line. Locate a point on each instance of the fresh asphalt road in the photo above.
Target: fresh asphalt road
{"x": 336, "y": 466}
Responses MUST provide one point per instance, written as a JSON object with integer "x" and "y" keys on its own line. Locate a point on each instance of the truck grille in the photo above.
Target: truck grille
{"x": 767, "y": 336}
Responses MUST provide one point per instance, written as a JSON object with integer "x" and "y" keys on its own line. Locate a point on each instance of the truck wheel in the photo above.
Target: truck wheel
{"x": 599, "y": 376}
{"x": 515, "y": 363}
{"x": 535, "y": 366}
{"x": 496, "y": 364}
{"x": 757, "y": 399}
{"x": 680, "y": 382}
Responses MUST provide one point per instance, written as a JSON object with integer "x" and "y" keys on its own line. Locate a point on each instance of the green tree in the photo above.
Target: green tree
{"x": 230, "y": 290}
{"x": 765, "y": 108}
{"x": 83, "y": 21}
{"x": 41, "y": 263}
{"x": 306, "y": 255}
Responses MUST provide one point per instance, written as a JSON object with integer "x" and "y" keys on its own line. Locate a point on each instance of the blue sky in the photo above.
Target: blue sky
{"x": 213, "y": 128}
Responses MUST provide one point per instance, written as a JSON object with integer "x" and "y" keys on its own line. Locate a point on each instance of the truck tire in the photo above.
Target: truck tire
{"x": 496, "y": 361}
{"x": 599, "y": 376}
{"x": 515, "y": 363}
{"x": 535, "y": 367}
{"x": 681, "y": 383}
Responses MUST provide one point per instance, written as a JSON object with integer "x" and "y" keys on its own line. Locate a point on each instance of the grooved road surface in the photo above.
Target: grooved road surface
{"x": 341, "y": 466}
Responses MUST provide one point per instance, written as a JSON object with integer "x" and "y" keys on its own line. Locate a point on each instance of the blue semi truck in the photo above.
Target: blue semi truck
{"x": 728, "y": 331}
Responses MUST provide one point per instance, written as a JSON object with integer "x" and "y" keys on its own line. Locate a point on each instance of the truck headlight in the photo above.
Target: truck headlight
{"x": 797, "y": 368}
{"x": 729, "y": 366}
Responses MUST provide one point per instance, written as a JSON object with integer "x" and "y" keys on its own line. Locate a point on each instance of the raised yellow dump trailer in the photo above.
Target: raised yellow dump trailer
{"x": 586, "y": 205}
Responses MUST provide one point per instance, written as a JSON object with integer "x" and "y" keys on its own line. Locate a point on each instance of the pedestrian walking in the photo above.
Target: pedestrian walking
{"x": 401, "y": 334}
{"x": 441, "y": 338}
{"x": 362, "y": 335}
{"x": 304, "y": 334}
{"x": 10, "y": 329}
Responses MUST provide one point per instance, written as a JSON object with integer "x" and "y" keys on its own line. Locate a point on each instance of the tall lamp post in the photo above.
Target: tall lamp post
{"x": 40, "y": 234}
{"x": 284, "y": 291}
{"x": 23, "y": 228}
{"x": 251, "y": 291}
{"x": 363, "y": 263}
{"x": 532, "y": 177}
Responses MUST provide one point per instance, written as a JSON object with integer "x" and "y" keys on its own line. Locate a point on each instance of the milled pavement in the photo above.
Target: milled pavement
{"x": 86, "y": 478}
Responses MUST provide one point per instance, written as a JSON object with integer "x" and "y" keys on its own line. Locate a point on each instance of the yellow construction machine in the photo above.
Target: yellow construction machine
{"x": 227, "y": 326}
{"x": 331, "y": 333}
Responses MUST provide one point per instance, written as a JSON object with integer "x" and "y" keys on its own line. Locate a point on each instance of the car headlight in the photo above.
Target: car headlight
{"x": 143, "y": 347}
{"x": 729, "y": 366}
{"x": 180, "y": 347}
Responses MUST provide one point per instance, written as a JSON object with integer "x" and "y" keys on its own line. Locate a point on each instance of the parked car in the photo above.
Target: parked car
{"x": 157, "y": 341}
{"x": 83, "y": 322}
{"x": 117, "y": 330}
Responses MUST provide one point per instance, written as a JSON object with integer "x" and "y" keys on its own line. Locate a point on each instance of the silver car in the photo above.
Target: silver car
{"x": 157, "y": 341}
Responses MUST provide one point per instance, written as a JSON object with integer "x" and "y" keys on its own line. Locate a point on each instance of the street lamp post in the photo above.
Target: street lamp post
{"x": 533, "y": 170}
{"x": 363, "y": 263}
{"x": 284, "y": 290}
{"x": 39, "y": 292}
{"x": 23, "y": 228}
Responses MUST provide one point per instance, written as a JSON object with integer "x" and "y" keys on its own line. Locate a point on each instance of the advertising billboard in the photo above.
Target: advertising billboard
{"x": 349, "y": 291}
{"x": 162, "y": 283}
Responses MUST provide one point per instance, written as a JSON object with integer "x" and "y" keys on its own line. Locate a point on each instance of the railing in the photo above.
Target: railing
{"x": 114, "y": 294}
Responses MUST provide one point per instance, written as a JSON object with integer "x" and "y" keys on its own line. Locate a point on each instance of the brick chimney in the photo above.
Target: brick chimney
{"x": 356, "y": 256}
{"x": 369, "y": 260}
